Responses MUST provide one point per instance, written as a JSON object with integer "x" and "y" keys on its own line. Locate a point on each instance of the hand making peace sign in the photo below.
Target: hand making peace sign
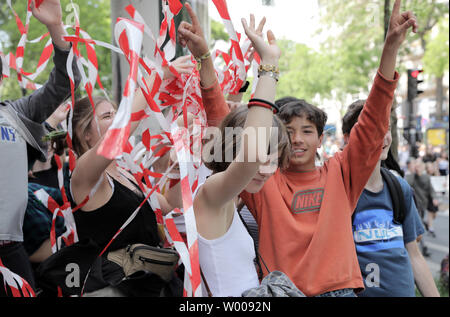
{"x": 399, "y": 25}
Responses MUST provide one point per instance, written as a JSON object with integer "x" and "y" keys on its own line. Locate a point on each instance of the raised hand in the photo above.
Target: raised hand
{"x": 48, "y": 13}
{"x": 398, "y": 28}
{"x": 182, "y": 64}
{"x": 59, "y": 115}
{"x": 191, "y": 35}
{"x": 399, "y": 25}
{"x": 269, "y": 52}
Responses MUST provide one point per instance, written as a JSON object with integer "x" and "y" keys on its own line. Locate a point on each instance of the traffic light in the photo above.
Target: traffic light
{"x": 413, "y": 82}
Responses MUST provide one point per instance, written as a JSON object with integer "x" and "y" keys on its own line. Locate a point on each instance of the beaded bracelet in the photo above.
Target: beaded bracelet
{"x": 263, "y": 103}
{"x": 201, "y": 58}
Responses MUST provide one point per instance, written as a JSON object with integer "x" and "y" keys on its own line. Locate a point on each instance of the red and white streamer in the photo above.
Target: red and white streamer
{"x": 182, "y": 94}
{"x": 18, "y": 286}
{"x": 129, "y": 35}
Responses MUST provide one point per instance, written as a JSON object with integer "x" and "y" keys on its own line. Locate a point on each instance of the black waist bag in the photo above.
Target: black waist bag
{"x": 64, "y": 272}
{"x": 148, "y": 270}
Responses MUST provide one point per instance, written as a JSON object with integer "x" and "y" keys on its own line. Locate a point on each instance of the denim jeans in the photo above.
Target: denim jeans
{"x": 345, "y": 292}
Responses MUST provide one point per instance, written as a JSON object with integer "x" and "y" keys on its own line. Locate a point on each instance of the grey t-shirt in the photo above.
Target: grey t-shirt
{"x": 13, "y": 181}
{"x": 21, "y": 125}
{"x": 380, "y": 243}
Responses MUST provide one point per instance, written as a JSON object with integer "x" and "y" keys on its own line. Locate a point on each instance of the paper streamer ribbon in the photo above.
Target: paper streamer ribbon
{"x": 18, "y": 286}
{"x": 180, "y": 95}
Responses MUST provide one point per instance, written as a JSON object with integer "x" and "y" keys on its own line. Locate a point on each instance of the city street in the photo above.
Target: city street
{"x": 438, "y": 246}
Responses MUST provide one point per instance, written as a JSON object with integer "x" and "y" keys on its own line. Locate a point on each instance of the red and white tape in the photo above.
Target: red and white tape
{"x": 18, "y": 286}
{"x": 182, "y": 94}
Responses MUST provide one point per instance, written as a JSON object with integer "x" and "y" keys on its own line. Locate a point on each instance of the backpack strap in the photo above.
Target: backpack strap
{"x": 258, "y": 256}
{"x": 397, "y": 196}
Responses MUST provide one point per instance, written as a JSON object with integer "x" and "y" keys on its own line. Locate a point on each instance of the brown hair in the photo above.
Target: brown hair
{"x": 81, "y": 121}
{"x": 236, "y": 119}
{"x": 300, "y": 108}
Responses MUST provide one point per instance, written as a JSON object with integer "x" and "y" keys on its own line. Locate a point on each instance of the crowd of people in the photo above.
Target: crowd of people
{"x": 346, "y": 227}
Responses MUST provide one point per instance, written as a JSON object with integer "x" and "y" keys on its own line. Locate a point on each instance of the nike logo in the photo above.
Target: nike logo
{"x": 307, "y": 201}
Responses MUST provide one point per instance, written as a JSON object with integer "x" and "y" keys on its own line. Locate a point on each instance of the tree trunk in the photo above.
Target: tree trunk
{"x": 150, "y": 10}
{"x": 394, "y": 133}
{"x": 387, "y": 16}
{"x": 439, "y": 97}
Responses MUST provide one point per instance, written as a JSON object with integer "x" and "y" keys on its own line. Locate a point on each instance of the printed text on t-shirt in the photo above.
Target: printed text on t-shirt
{"x": 307, "y": 201}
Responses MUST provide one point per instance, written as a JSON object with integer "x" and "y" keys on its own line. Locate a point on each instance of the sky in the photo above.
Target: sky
{"x": 296, "y": 20}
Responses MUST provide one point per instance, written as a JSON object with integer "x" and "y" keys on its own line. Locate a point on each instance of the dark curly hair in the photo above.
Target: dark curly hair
{"x": 301, "y": 108}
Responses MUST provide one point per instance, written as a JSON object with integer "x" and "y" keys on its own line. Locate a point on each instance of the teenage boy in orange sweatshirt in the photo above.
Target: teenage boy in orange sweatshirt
{"x": 304, "y": 212}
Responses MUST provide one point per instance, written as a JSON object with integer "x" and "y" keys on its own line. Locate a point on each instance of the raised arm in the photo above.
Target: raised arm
{"x": 91, "y": 165}
{"x": 191, "y": 36}
{"x": 398, "y": 28}
{"x": 222, "y": 187}
{"x": 50, "y": 14}
{"x": 366, "y": 139}
{"x": 40, "y": 104}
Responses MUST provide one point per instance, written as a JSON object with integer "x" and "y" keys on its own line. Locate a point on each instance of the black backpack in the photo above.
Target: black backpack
{"x": 397, "y": 196}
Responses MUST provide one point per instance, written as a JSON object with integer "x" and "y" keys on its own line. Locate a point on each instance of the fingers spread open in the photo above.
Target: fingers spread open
{"x": 252, "y": 21}
{"x": 271, "y": 37}
{"x": 261, "y": 25}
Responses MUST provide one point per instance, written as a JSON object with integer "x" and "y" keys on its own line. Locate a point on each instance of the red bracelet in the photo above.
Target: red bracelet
{"x": 260, "y": 104}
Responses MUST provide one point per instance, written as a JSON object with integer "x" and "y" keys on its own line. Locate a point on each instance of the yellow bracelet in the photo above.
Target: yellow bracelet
{"x": 202, "y": 58}
{"x": 271, "y": 70}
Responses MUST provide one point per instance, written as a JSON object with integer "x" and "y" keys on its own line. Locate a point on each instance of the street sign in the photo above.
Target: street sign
{"x": 436, "y": 137}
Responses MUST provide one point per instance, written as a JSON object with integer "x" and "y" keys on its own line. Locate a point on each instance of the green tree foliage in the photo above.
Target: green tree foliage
{"x": 355, "y": 45}
{"x": 304, "y": 72}
{"x": 94, "y": 19}
{"x": 428, "y": 13}
{"x": 358, "y": 28}
{"x": 218, "y": 32}
{"x": 436, "y": 56}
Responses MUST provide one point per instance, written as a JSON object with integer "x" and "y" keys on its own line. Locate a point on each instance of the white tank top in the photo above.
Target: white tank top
{"x": 227, "y": 262}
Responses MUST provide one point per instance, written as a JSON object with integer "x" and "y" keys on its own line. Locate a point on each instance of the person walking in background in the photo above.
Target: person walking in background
{"x": 425, "y": 195}
{"x": 443, "y": 163}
